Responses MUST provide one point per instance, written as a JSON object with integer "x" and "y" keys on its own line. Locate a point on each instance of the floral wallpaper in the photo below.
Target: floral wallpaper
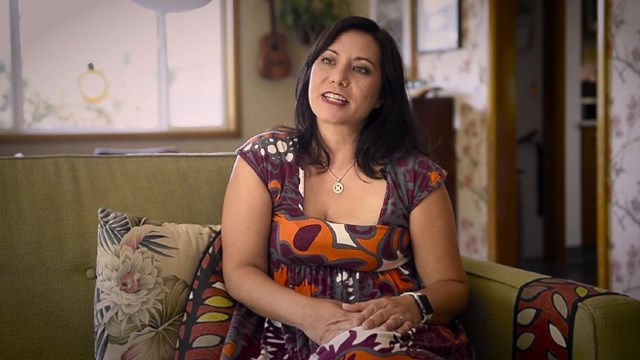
{"x": 624, "y": 112}
{"x": 463, "y": 72}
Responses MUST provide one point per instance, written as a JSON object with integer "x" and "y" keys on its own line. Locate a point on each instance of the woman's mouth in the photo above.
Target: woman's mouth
{"x": 334, "y": 98}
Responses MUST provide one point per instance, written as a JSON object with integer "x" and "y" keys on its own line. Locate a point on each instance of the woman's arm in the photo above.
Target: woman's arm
{"x": 246, "y": 225}
{"x": 439, "y": 265}
{"x": 437, "y": 257}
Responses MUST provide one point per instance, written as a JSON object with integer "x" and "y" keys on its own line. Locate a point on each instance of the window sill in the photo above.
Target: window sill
{"x": 8, "y": 137}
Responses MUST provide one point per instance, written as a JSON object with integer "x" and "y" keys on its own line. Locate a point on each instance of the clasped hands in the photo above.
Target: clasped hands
{"x": 396, "y": 313}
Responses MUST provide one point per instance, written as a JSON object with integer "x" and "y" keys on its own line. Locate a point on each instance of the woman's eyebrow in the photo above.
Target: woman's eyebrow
{"x": 360, "y": 58}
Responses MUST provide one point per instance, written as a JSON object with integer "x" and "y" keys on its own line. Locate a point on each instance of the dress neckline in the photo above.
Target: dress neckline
{"x": 301, "y": 191}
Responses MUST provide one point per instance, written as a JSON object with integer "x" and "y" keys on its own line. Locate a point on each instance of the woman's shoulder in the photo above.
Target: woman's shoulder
{"x": 270, "y": 141}
{"x": 275, "y": 145}
{"x": 415, "y": 176}
{"x": 415, "y": 160}
{"x": 269, "y": 137}
{"x": 417, "y": 167}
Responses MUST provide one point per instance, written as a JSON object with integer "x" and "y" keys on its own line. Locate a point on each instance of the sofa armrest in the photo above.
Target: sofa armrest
{"x": 488, "y": 319}
{"x": 607, "y": 327}
{"x": 603, "y": 325}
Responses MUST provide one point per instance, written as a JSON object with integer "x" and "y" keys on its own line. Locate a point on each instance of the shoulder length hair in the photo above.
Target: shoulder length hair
{"x": 390, "y": 130}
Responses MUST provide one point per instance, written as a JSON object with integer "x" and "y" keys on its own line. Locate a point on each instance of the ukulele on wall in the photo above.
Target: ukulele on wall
{"x": 273, "y": 59}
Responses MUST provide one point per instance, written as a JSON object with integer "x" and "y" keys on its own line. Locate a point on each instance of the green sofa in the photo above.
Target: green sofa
{"x": 48, "y": 207}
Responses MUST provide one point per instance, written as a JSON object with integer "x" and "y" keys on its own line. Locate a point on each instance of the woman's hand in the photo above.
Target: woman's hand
{"x": 330, "y": 321}
{"x": 397, "y": 313}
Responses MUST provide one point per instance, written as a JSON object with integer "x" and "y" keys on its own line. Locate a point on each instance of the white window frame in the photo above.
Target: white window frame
{"x": 231, "y": 127}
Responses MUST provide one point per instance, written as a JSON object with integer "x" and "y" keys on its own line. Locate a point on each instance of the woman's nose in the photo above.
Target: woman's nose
{"x": 339, "y": 76}
{"x": 341, "y": 83}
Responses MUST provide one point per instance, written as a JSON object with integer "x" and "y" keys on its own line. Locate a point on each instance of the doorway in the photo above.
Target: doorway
{"x": 555, "y": 138}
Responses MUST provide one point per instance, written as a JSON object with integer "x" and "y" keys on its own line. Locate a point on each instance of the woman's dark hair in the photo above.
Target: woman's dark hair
{"x": 389, "y": 131}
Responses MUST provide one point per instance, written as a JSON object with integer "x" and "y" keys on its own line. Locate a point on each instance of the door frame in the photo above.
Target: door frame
{"x": 603, "y": 147}
{"x": 501, "y": 135}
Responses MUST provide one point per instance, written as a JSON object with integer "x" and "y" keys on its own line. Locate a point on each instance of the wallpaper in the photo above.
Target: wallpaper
{"x": 463, "y": 73}
{"x": 624, "y": 112}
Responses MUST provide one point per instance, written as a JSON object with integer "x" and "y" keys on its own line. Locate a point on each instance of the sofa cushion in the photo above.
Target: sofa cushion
{"x": 545, "y": 315}
{"x": 144, "y": 274}
{"x": 208, "y": 312}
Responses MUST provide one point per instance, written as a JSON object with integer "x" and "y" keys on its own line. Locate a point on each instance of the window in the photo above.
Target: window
{"x": 6, "y": 113}
{"x": 77, "y": 67}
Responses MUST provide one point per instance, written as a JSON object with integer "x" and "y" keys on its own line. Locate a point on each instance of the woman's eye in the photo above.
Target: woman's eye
{"x": 326, "y": 60}
{"x": 361, "y": 69}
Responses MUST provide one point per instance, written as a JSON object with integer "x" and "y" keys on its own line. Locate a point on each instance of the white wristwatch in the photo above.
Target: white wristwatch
{"x": 423, "y": 304}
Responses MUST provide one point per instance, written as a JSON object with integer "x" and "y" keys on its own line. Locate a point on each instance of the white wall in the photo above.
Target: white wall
{"x": 573, "y": 184}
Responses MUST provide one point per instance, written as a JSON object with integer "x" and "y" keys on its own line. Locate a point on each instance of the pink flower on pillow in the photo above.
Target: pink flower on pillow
{"x": 131, "y": 285}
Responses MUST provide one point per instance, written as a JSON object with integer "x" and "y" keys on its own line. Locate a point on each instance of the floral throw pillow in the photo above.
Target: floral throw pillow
{"x": 144, "y": 274}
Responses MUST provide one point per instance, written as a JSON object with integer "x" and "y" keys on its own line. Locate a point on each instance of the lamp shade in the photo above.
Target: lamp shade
{"x": 166, "y": 6}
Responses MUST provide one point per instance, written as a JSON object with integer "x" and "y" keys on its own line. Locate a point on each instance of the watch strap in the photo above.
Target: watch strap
{"x": 424, "y": 305}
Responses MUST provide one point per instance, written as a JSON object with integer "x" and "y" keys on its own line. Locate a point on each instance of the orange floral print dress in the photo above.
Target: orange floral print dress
{"x": 348, "y": 263}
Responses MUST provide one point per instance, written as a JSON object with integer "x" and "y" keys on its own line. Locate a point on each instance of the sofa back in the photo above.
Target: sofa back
{"x": 48, "y": 247}
{"x": 48, "y": 230}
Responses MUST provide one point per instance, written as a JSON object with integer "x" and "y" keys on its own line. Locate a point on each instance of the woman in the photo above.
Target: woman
{"x": 339, "y": 238}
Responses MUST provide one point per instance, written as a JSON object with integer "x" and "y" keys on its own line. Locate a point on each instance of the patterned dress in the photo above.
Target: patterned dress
{"x": 348, "y": 263}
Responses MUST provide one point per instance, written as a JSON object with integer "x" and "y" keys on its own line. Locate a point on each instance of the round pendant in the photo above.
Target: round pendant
{"x": 338, "y": 188}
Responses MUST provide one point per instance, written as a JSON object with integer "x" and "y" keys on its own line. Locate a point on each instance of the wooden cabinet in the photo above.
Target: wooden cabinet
{"x": 436, "y": 114}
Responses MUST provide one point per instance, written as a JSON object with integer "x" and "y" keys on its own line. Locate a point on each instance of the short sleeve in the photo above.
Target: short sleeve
{"x": 411, "y": 179}
{"x": 271, "y": 156}
{"x": 429, "y": 176}
{"x": 267, "y": 154}
{"x": 251, "y": 153}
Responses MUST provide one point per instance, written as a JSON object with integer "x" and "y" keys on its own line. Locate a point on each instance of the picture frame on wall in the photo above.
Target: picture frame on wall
{"x": 437, "y": 25}
{"x": 396, "y": 17}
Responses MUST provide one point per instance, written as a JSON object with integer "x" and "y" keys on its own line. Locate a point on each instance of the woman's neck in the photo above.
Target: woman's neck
{"x": 341, "y": 145}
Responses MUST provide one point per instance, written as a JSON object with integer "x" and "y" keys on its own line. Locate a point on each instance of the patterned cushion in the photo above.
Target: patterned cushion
{"x": 144, "y": 273}
{"x": 208, "y": 314}
{"x": 544, "y": 317}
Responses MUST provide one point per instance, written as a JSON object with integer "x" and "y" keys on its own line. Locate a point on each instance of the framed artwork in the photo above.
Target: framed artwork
{"x": 437, "y": 25}
{"x": 395, "y": 17}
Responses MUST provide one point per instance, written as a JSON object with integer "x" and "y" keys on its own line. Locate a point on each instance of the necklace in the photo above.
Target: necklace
{"x": 338, "y": 186}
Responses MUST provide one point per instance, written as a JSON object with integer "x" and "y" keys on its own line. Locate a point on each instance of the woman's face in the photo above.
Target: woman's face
{"x": 345, "y": 80}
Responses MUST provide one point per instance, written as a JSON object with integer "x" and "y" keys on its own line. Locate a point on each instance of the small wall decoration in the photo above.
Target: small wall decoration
{"x": 438, "y": 25}
{"x": 395, "y": 17}
{"x": 93, "y": 85}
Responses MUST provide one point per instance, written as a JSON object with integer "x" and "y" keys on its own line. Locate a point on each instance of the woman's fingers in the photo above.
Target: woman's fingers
{"x": 365, "y": 310}
{"x": 394, "y": 322}
{"x": 355, "y": 307}
{"x": 377, "y": 317}
{"x": 405, "y": 327}
{"x": 384, "y": 313}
